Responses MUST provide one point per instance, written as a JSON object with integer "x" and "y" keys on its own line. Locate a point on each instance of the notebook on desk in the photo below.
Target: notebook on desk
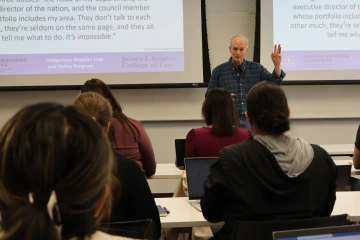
{"x": 180, "y": 153}
{"x": 351, "y": 232}
{"x": 197, "y": 171}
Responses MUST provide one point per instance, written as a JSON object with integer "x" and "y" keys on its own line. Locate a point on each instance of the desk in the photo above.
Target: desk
{"x": 183, "y": 215}
{"x": 339, "y": 149}
{"x": 165, "y": 179}
{"x": 166, "y": 171}
{"x": 167, "y": 174}
{"x": 346, "y": 162}
{"x": 348, "y": 202}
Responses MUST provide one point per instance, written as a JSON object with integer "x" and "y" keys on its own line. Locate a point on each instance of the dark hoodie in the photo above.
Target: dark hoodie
{"x": 136, "y": 200}
{"x": 247, "y": 183}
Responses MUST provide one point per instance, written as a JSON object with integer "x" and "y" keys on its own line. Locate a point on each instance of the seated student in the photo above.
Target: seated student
{"x": 127, "y": 135}
{"x": 55, "y": 175}
{"x": 274, "y": 175}
{"x": 222, "y": 121}
{"x": 356, "y": 157}
{"x": 134, "y": 201}
{"x": 221, "y": 117}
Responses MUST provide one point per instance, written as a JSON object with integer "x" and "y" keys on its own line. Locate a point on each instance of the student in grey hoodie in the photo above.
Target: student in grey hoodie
{"x": 272, "y": 177}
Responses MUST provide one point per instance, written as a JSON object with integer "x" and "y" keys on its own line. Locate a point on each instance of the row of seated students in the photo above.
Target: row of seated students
{"x": 61, "y": 177}
{"x": 60, "y": 174}
{"x": 271, "y": 176}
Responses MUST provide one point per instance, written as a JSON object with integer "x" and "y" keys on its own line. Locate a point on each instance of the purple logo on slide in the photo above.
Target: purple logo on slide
{"x": 7, "y": 63}
{"x": 289, "y": 59}
{"x": 12, "y": 60}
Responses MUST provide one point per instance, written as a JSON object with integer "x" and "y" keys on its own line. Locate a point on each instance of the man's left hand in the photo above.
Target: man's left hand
{"x": 276, "y": 58}
{"x": 276, "y": 55}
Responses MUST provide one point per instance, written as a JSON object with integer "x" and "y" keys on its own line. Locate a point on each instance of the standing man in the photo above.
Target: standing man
{"x": 238, "y": 75}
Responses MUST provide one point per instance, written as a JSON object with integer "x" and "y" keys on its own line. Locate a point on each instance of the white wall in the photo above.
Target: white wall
{"x": 320, "y": 114}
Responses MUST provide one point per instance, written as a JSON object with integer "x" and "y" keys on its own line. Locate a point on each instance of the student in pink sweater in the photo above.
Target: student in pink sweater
{"x": 127, "y": 135}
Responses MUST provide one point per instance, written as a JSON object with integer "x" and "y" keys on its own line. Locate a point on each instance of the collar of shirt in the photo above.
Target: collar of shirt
{"x": 242, "y": 65}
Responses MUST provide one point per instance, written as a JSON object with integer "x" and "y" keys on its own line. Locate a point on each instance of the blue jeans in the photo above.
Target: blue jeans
{"x": 245, "y": 124}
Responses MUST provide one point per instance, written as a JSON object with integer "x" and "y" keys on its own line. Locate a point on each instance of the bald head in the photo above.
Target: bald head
{"x": 238, "y": 49}
{"x": 239, "y": 38}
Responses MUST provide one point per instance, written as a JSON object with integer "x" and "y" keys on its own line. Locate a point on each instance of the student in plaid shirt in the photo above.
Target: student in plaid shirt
{"x": 238, "y": 75}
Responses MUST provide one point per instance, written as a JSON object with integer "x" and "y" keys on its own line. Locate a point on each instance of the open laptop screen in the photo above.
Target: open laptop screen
{"x": 328, "y": 233}
{"x": 197, "y": 171}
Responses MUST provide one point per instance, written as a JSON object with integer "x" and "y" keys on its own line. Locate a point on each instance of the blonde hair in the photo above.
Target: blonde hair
{"x": 98, "y": 86}
{"x": 100, "y": 110}
{"x": 96, "y": 105}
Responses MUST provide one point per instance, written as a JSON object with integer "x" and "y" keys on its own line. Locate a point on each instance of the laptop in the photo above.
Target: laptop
{"x": 180, "y": 153}
{"x": 197, "y": 171}
{"x": 350, "y": 232}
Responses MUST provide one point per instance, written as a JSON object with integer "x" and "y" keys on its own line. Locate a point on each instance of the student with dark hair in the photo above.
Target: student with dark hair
{"x": 55, "y": 171}
{"x": 221, "y": 118}
{"x": 272, "y": 177}
{"x": 132, "y": 199}
{"x": 127, "y": 135}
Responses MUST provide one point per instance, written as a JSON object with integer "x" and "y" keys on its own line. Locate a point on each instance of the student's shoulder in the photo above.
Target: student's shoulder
{"x": 235, "y": 149}
{"x": 318, "y": 150}
{"x": 238, "y": 154}
{"x": 115, "y": 121}
{"x": 126, "y": 163}
{"x": 140, "y": 127}
{"x": 243, "y": 132}
{"x": 321, "y": 154}
{"x": 135, "y": 121}
{"x": 197, "y": 131}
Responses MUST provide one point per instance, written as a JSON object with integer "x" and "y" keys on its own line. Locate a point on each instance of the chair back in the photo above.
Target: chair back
{"x": 344, "y": 178}
{"x": 140, "y": 229}
{"x": 253, "y": 230}
{"x": 180, "y": 152}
